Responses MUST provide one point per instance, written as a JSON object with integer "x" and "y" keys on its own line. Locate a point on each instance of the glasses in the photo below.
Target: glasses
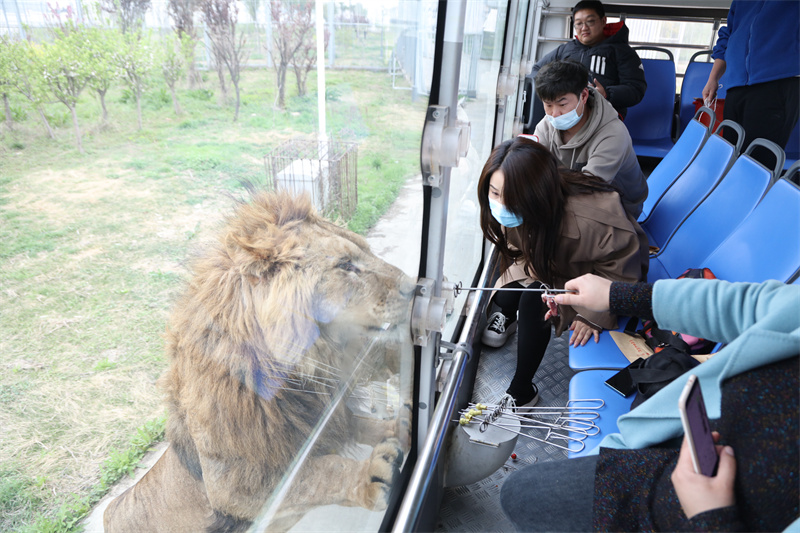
{"x": 588, "y": 23}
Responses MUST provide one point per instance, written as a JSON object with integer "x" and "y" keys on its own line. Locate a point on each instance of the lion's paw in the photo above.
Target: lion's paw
{"x": 384, "y": 467}
{"x": 403, "y": 426}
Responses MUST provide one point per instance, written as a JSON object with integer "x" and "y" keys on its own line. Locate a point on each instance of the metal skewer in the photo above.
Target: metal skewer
{"x": 458, "y": 288}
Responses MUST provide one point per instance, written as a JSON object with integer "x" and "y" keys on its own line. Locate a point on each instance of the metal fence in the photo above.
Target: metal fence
{"x": 325, "y": 170}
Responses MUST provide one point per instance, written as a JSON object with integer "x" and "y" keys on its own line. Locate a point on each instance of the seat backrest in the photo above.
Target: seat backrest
{"x": 719, "y": 214}
{"x": 676, "y": 160}
{"x": 694, "y": 79}
{"x": 697, "y": 181}
{"x": 793, "y": 146}
{"x": 765, "y": 245}
{"x": 793, "y": 173}
{"x": 652, "y": 118}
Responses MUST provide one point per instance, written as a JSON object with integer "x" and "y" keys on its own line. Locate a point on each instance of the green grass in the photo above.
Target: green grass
{"x": 94, "y": 251}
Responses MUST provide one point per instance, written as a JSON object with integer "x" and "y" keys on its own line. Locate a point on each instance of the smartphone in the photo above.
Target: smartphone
{"x": 622, "y": 382}
{"x": 697, "y": 429}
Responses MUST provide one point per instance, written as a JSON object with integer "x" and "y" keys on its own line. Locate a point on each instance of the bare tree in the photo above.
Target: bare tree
{"x": 172, "y": 67}
{"x": 252, "y": 7}
{"x": 294, "y": 27}
{"x": 305, "y": 59}
{"x": 220, "y": 17}
{"x": 129, "y": 13}
{"x": 182, "y": 14}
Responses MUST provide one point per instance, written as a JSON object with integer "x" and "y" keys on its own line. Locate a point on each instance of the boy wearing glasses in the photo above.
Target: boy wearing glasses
{"x": 616, "y": 71}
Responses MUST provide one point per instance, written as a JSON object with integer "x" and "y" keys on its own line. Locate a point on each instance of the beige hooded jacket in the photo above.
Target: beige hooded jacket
{"x": 601, "y": 147}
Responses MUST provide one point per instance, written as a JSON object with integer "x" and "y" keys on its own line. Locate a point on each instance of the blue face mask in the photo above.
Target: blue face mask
{"x": 503, "y": 215}
{"x": 565, "y": 121}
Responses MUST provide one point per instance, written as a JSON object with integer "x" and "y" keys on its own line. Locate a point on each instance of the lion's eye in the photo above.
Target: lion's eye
{"x": 347, "y": 266}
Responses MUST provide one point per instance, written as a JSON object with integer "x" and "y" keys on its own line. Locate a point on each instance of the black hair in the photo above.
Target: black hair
{"x": 559, "y": 78}
{"x": 535, "y": 187}
{"x": 594, "y": 5}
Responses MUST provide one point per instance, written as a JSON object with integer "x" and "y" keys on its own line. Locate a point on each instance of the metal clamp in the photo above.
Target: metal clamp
{"x": 448, "y": 351}
{"x": 507, "y": 82}
{"x": 428, "y": 313}
{"x": 442, "y": 145}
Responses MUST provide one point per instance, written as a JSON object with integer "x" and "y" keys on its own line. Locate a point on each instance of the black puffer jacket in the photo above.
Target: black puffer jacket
{"x": 612, "y": 62}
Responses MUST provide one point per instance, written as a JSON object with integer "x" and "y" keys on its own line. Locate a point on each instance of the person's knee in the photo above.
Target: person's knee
{"x": 531, "y": 307}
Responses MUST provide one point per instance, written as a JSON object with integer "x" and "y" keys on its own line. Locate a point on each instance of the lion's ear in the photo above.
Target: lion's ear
{"x": 261, "y": 246}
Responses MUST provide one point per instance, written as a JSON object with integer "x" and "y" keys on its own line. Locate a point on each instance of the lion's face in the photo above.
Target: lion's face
{"x": 308, "y": 279}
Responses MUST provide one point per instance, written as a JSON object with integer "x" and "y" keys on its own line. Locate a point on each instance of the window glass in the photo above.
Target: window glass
{"x": 480, "y": 68}
{"x": 690, "y": 36}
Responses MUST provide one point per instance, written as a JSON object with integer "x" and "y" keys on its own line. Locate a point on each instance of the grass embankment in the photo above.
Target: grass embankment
{"x": 93, "y": 250}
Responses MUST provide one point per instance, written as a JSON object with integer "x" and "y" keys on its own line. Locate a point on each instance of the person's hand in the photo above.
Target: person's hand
{"x": 593, "y": 293}
{"x": 599, "y": 88}
{"x": 710, "y": 92}
{"x": 581, "y": 333}
{"x": 698, "y": 493}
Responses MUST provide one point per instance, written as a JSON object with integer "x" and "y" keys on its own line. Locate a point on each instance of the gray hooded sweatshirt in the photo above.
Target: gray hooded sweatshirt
{"x": 601, "y": 147}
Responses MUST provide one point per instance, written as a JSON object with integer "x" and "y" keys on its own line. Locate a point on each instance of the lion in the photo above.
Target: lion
{"x": 281, "y": 299}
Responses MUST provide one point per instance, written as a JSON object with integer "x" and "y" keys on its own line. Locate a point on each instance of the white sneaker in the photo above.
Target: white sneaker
{"x": 497, "y": 332}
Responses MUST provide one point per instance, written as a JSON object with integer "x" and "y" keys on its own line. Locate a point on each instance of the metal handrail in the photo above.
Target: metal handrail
{"x": 424, "y": 470}
{"x": 430, "y": 452}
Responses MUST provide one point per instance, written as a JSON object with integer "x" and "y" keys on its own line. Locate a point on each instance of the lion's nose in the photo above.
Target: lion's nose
{"x": 407, "y": 287}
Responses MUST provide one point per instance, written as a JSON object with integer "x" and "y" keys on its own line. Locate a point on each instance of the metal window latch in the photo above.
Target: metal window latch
{"x": 442, "y": 145}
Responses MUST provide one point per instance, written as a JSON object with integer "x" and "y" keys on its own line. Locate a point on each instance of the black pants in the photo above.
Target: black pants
{"x": 765, "y": 110}
{"x": 533, "y": 334}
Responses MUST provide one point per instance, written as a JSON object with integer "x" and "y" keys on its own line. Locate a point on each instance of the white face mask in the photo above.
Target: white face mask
{"x": 567, "y": 120}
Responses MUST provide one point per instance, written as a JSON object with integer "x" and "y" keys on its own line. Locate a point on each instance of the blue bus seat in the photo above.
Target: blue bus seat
{"x": 603, "y": 354}
{"x": 694, "y": 79}
{"x": 677, "y": 160}
{"x": 651, "y": 121}
{"x": 704, "y": 173}
{"x": 718, "y": 215}
{"x": 765, "y": 245}
{"x": 792, "y": 148}
{"x": 591, "y": 385}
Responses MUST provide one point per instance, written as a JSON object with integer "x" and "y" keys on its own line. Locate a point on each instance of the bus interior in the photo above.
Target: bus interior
{"x": 471, "y": 60}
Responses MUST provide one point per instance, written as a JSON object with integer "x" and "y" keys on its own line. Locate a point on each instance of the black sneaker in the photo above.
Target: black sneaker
{"x": 497, "y": 332}
{"x": 526, "y": 401}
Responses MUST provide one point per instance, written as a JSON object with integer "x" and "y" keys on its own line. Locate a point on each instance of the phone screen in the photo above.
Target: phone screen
{"x": 622, "y": 381}
{"x": 697, "y": 429}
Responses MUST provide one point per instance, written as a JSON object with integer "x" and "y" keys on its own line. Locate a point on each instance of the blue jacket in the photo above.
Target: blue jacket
{"x": 760, "y": 43}
{"x": 760, "y": 324}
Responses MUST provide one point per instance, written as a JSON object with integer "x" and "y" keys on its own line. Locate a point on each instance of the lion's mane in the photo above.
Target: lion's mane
{"x": 278, "y": 300}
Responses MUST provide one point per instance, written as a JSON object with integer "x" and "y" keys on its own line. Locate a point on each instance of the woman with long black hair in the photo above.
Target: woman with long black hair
{"x": 550, "y": 224}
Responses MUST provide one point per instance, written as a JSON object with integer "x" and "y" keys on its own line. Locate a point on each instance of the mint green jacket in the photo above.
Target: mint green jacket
{"x": 759, "y": 322}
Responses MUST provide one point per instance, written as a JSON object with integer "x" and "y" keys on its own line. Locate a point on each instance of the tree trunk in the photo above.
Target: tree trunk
{"x": 236, "y": 113}
{"x": 221, "y": 75}
{"x": 77, "y": 128}
{"x": 301, "y": 86}
{"x": 9, "y": 118}
{"x": 138, "y": 92}
{"x": 102, "y": 93}
{"x": 175, "y": 104}
{"x": 50, "y": 132}
{"x": 282, "y": 85}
